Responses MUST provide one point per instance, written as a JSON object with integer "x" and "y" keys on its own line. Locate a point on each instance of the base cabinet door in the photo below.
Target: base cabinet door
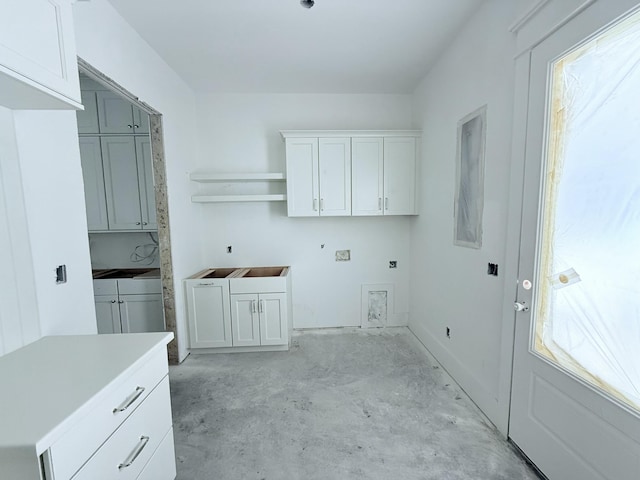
{"x": 245, "y": 320}
{"x": 209, "y": 313}
{"x": 107, "y": 314}
{"x": 272, "y": 308}
{"x": 142, "y": 313}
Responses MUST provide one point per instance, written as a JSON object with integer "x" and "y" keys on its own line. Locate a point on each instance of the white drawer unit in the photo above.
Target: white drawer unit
{"x": 105, "y": 412}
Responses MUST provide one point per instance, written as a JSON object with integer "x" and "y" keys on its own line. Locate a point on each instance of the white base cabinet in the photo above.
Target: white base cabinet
{"x": 129, "y": 306}
{"x": 87, "y": 407}
{"x": 247, "y": 309}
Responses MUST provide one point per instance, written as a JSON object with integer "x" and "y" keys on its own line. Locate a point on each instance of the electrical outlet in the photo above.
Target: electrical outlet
{"x": 393, "y": 264}
{"x": 492, "y": 269}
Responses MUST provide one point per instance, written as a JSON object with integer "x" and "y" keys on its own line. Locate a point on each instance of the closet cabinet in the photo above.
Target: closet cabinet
{"x": 384, "y": 173}
{"x": 118, "y": 182}
{"x": 318, "y": 177}
{"x": 116, "y": 115}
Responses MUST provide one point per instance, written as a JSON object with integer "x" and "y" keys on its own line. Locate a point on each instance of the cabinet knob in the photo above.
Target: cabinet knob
{"x": 145, "y": 223}
{"x": 130, "y": 126}
{"x": 137, "y": 223}
{"x": 137, "y": 126}
{"x": 113, "y": 301}
{"x": 120, "y": 301}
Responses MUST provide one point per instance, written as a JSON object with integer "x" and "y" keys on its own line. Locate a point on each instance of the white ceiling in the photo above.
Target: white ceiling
{"x": 276, "y": 46}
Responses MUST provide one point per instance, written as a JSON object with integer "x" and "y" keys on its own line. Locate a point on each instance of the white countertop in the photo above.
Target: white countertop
{"x": 47, "y": 383}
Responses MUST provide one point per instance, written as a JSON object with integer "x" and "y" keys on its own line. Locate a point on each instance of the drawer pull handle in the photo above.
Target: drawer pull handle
{"x": 129, "y": 400}
{"x": 133, "y": 455}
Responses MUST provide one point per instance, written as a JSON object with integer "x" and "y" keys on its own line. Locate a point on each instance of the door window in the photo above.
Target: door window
{"x": 587, "y": 309}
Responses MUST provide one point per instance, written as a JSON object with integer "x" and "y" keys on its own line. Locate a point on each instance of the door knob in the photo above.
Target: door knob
{"x": 521, "y": 307}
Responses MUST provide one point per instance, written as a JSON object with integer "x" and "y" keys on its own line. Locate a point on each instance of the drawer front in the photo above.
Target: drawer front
{"x": 70, "y": 452}
{"x": 131, "y": 286}
{"x": 105, "y": 287}
{"x": 130, "y": 448}
{"x": 162, "y": 465}
{"x": 258, "y": 285}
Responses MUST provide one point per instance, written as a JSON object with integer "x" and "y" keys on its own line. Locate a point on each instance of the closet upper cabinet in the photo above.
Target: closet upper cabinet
{"x": 117, "y": 115}
{"x": 384, "y": 173}
{"x": 38, "y": 68}
{"x": 318, "y": 176}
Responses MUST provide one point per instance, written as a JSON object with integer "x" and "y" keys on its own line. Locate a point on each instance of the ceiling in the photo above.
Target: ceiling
{"x": 276, "y": 46}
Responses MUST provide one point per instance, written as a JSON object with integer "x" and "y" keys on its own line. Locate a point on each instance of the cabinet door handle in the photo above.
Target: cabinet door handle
{"x": 129, "y": 400}
{"x": 322, "y": 204}
{"x": 261, "y": 304}
{"x": 134, "y": 454}
{"x": 253, "y": 306}
{"x": 386, "y": 203}
{"x": 379, "y": 203}
{"x": 315, "y": 204}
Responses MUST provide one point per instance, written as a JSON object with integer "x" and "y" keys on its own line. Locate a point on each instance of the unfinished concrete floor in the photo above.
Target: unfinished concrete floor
{"x": 344, "y": 404}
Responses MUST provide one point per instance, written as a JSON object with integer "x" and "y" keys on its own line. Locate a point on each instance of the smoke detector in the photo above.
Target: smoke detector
{"x": 307, "y": 3}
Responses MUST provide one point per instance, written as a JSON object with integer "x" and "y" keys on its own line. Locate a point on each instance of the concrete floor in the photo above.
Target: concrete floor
{"x": 345, "y": 404}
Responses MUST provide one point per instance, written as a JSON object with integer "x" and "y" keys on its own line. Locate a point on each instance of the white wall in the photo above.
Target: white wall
{"x": 109, "y": 44}
{"x": 449, "y": 284}
{"x": 54, "y": 207}
{"x": 240, "y": 133}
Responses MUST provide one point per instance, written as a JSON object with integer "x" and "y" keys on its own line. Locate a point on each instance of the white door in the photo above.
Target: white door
{"x": 146, "y": 184}
{"x": 107, "y": 314}
{"x": 335, "y": 176}
{"x": 273, "y": 318}
{"x": 142, "y": 313}
{"x": 576, "y": 379}
{"x": 93, "y": 176}
{"x": 121, "y": 183}
{"x": 302, "y": 177}
{"x": 245, "y": 320}
{"x": 400, "y": 175}
{"x": 209, "y": 313}
{"x": 367, "y": 168}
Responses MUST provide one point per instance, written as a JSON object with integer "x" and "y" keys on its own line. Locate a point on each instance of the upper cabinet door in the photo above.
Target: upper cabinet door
{"x": 38, "y": 65}
{"x": 88, "y": 118}
{"x": 115, "y": 114}
{"x": 145, "y": 183}
{"x": 94, "y": 192}
{"x": 121, "y": 183}
{"x": 367, "y": 167}
{"x": 302, "y": 177}
{"x": 335, "y": 176}
{"x": 400, "y": 175}
{"x": 140, "y": 121}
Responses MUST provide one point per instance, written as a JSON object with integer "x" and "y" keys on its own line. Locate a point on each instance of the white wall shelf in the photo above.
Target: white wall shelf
{"x": 239, "y": 187}
{"x": 236, "y": 177}
{"x": 275, "y": 197}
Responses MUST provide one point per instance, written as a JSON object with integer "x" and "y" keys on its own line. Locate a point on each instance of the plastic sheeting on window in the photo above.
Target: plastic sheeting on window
{"x": 588, "y": 311}
{"x": 469, "y": 199}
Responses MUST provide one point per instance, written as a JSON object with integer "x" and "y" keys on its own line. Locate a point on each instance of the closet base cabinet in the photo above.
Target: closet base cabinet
{"x": 104, "y": 417}
{"x": 239, "y": 313}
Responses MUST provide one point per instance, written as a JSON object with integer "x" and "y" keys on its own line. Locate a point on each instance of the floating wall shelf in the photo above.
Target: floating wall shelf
{"x": 228, "y": 192}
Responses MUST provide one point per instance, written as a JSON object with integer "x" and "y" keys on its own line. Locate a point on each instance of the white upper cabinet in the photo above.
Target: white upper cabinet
{"x": 303, "y": 192}
{"x": 38, "y": 66}
{"x": 360, "y": 172}
{"x": 117, "y": 115}
{"x": 318, "y": 177}
{"x": 367, "y": 163}
{"x": 335, "y": 176}
{"x": 400, "y": 176}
